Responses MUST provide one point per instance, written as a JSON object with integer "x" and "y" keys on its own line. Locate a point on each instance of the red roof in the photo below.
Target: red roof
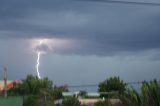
{"x": 9, "y": 85}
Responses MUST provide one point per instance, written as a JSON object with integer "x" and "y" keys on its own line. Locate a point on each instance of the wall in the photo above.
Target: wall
{"x": 11, "y": 101}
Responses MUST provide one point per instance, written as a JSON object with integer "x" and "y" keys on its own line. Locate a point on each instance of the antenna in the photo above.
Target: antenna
{"x": 5, "y": 82}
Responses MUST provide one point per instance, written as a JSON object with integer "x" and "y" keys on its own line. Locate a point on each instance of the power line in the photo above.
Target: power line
{"x": 96, "y": 85}
{"x": 124, "y": 2}
{"x": 87, "y": 85}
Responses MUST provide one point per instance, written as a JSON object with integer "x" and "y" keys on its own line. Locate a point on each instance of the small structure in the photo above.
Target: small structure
{"x": 89, "y": 101}
{"x": 93, "y": 94}
{"x": 10, "y": 84}
{"x": 68, "y": 94}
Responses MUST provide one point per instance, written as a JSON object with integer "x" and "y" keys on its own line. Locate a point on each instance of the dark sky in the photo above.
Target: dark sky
{"x": 86, "y": 41}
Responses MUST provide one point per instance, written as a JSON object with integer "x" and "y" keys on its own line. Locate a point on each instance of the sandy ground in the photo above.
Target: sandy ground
{"x": 114, "y": 102}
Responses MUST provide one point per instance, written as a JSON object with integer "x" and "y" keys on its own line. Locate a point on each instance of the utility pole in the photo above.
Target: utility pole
{"x": 5, "y": 82}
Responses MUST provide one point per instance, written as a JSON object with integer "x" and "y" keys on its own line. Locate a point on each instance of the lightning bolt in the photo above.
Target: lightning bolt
{"x": 38, "y": 62}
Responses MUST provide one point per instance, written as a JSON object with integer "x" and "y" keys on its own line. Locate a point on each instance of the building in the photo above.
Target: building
{"x": 10, "y": 84}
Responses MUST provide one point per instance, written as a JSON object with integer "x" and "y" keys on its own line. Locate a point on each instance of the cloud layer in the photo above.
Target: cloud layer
{"x": 96, "y": 28}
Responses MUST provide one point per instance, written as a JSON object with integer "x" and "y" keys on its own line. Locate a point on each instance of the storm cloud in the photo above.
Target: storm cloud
{"x": 83, "y": 42}
{"x": 98, "y": 28}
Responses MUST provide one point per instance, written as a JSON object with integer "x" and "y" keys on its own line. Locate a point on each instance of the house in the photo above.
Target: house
{"x": 10, "y": 84}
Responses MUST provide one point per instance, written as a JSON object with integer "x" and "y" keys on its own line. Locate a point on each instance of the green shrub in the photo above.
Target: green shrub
{"x": 101, "y": 103}
{"x": 29, "y": 100}
{"x": 149, "y": 95}
{"x": 131, "y": 98}
{"x": 70, "y": 101}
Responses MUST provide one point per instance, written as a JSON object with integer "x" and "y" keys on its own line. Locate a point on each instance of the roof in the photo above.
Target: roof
{"x": 68, "y": 94}
{"x": 93, "y": 94}
{"x": 9, "y": 84}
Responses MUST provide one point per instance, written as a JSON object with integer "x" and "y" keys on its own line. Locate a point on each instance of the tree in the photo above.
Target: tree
{"x": 70, "y": 101}
{"x": 34, "y": 85}
{"x": 37, "y": 91}
{"x": 112, "y": 84}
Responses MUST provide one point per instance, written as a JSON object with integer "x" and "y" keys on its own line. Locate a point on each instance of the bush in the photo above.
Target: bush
{"x": 70, "y": 101}
{"x": 149, "y": 96}
{"x": 29, "y": 100}
{"x": 101, "y": 103}
{"x": 131, "y": 98}
{"x": 150, "y": 93}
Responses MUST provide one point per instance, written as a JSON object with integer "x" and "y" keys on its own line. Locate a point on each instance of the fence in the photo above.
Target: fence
{"x": 11, "y": 101}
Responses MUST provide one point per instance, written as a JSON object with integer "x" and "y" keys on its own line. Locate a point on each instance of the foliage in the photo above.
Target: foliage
{"x": 101, "y": 103}
{"x": 40, "y": 92}
{"x": 150, "y": 93}
{"x": 149, "y": 96}
{"x": 83, "y": 94}
{"x": 36, "y": 91}
{"x": 29, "y": 100}
{"x": 70, "y": 101}
{"x": 34, "y": 85}
{"x": 131, "y": 98}
{"x": 42, "y": 102}
{"x": 16, "y": 90}
{"x": 112, "y": 84}
{"x": 57, "y": 92}
{"x": 34, "y": 100}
